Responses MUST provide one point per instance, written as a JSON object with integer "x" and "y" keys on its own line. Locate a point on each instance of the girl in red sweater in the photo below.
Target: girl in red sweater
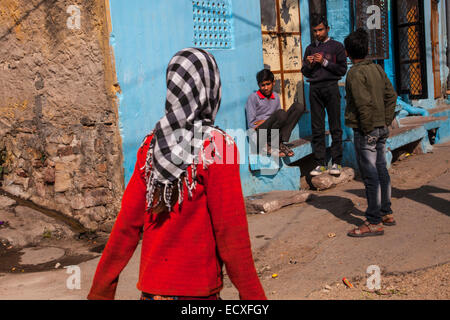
{"x": 185, "y": 196}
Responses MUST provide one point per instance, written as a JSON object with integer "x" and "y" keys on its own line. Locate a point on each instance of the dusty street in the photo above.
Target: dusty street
{"x": 303, "y": 252}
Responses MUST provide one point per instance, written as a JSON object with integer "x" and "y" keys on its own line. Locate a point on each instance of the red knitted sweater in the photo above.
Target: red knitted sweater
{"x": 183, "y": 252}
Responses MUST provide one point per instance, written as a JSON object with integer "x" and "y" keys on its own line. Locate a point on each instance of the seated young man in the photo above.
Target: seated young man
{"x": 264, "y": 112}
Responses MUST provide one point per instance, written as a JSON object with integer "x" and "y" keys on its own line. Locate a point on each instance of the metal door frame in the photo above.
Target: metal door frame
{"x": 435, "y": 46}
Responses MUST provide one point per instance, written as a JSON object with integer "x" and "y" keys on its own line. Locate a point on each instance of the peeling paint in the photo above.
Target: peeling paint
{"x": 285, "y": 12}
{"x": 271, "y": 53}
{"x": 268, "y": 15}
{"x": 290, "y": 20}
{"x": 10, "y": 16}
{"x": 292, "y": 54}
{"x": 10, "y": 110}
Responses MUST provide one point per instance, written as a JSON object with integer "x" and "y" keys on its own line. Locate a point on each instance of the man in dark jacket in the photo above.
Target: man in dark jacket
{"x": 324, "y": 64}
{"x": 371, "y": 101}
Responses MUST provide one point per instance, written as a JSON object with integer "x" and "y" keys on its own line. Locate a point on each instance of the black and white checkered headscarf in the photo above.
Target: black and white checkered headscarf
{"x": 193, "y": 99}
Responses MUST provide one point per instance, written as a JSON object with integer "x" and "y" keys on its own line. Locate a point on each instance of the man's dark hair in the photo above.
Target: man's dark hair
{"x": 357, "y": 44}
{"x": 317, "y": 19}
{"x": 265, "y": 75}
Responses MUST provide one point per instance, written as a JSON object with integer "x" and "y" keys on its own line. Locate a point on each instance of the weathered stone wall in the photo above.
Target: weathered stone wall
{"x": 60, "y": 146}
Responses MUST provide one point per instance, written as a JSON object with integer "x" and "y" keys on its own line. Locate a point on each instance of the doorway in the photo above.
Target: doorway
{"x": 282, "y": 50}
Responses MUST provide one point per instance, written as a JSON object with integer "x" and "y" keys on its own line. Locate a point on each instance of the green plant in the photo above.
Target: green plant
{"x": 47, "y": 234}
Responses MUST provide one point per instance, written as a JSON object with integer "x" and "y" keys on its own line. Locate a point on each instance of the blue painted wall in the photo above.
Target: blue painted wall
{"x": 146, "y": 34}
{"x": 338, "y": 13}
{"x": 389, "y": 64}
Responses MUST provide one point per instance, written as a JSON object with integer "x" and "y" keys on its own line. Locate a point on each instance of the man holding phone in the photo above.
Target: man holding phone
{"x": 325, "y": 63}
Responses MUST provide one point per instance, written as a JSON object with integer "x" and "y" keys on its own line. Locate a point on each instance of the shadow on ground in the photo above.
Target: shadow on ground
{"x": 424, "y": 195}
{"x": 342, "y": 208}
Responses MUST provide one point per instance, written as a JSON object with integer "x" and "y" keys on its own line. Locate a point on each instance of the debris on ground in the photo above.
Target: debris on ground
{"x": 347, "y": 283}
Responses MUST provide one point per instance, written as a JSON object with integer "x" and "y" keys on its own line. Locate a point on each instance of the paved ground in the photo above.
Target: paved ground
{"x": 298, "y": 244}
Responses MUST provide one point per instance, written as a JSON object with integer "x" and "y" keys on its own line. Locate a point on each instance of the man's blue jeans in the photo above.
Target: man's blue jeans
{"x": 371, "y": 155}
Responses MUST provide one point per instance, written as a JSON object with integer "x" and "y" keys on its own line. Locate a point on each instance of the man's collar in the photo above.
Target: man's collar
{"x": 365, "y": 61}
{"x": 319, "y": 42}
{"x": 261, "y": 96}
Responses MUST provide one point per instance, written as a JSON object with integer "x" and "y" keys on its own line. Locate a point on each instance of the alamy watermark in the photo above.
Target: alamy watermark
{"x": 374, "y": 21}
{"x": 73, "y": 282}
{"x": 74, "y": 21}
{"x": 374, "y": 281}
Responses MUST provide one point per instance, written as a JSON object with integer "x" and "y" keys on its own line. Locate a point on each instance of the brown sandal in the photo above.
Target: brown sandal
{"x": 286, "y": 150}
{"x": 271, "y": 152}
{"x": 367, "y": 230}
{"x": 388, "y": 220}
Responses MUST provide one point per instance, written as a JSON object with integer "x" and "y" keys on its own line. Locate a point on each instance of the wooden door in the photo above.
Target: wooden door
{"x": 282, "y": 49}
{"x": 435, "y": 49}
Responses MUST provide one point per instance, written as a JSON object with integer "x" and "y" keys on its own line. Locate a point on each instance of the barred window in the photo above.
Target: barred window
{"x": 410, "y": 48}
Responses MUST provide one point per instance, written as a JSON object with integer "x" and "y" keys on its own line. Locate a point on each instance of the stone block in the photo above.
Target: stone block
{"x": 64, "y": 169}
{"x": 6, "y": 202}
{"x": 327, "y": 181}
{"x": 17, "y": 191}
{"x": 97, "y": 197}
{"x": 88, "y": 223}
{"x": 91, "y": 180}
{"x": 274, "y": 200}
{"x": 63, "y": 181}
{"x": 96, "y": 214}
{"x": 48, "y": 175}
{"x": 77, "y": 202}
{"x": 106, "y": 226}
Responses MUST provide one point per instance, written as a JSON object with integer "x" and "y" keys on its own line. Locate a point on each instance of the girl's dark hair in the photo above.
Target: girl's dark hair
{"x": 159, "y": 206}
{"x": 265, "y": 75}
{"x": 357, "y": 44}
{"x": 317, "y": 19}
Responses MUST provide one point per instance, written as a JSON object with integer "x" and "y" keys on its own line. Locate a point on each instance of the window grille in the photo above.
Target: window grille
{"x": 410, "y": 48}
{"x": 213, "y": 24}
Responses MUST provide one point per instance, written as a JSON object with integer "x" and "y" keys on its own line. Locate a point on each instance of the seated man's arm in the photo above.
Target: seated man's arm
{"x": 250, "y": 108}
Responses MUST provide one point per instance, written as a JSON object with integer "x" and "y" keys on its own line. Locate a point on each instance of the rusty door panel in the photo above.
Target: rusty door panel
{"x": 271, "y": 53}
{"x": 292, "y": 55}
{"x": 290, "y": 19}
{"x": 269, "y": 21}
{"x": 280, "y": 25}
{"x": 293, "y": 89}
